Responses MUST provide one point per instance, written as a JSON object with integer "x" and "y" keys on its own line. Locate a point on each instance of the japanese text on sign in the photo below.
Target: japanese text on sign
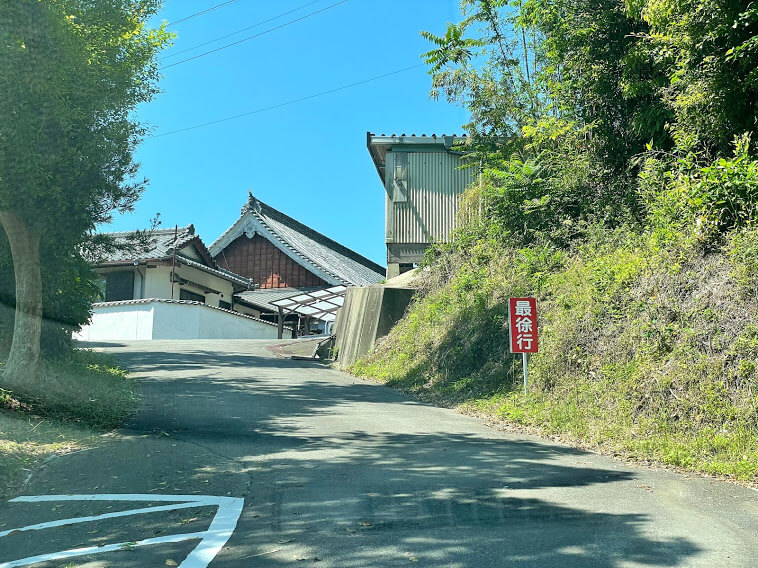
{"x": 522, "y": 324}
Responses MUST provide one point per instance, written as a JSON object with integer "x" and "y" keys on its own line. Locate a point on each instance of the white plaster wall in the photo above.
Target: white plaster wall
{"x": 211, "y": 280}
{"x": 231, "y": 326}
{"x": 158, "y": 283}
{"x": 243, "y": 309}
{"x": 119, "y": 322}
{"x": 160, "y": 320}
{"x": 192, "y": 321}
{"x": 138, "y": 284}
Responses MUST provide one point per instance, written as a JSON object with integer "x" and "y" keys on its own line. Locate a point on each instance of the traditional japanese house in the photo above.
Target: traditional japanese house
{"x": 283, "y": 257}
{"x": 169, "y": 289}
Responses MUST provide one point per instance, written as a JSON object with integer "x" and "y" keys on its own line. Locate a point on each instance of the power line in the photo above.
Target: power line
{"x": 196, "y": 14}
{"x": 255, "y": 36}
{"x": 264, "y": 109}
{"x": 241, "y": 30}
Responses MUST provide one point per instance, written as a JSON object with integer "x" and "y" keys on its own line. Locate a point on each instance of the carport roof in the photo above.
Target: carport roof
{"x": 263, "y": 298}
{"x": 321, "y": 304}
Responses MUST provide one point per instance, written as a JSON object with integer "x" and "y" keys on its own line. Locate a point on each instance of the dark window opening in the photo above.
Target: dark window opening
{"x": 187, "y": 295}
{"x": 119, "y": 286}
{"x": 407, "y": 266}
{"x": 225, "y": 305}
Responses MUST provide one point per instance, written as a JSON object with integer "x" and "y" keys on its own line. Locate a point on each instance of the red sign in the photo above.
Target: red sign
{"x": 522, "y": 324}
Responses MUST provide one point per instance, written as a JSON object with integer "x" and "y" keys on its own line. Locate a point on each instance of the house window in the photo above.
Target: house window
{"x": 187, "y": 295}
{"x": 225, "y": 305}
{"x": 119, "y": 286}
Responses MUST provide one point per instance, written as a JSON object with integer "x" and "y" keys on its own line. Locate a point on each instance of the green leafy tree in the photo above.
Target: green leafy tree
{"x": 584, "y": 112}
{"x": 71, "y": 73}
{"x": 552, "y": 126}
{"x": 708, "y": 54}
{"x": 488, "y": 62}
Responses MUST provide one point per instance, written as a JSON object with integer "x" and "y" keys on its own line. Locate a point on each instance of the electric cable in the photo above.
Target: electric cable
{"x": 241, "y": 30}
{"x": 254, "y": 36}
{"x": 196, "y": 14}
{"x": 301, "y": 99}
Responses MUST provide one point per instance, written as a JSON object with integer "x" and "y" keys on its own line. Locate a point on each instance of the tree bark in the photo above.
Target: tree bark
{"x": 23, "y": 368}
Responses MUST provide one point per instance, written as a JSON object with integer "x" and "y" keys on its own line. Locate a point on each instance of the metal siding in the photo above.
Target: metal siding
{"x": 389, "y": 218}
{"x": 434, "y": 185}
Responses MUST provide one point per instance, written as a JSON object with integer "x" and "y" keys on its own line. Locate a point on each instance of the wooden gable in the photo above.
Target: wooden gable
{"x": 258, "y": 259}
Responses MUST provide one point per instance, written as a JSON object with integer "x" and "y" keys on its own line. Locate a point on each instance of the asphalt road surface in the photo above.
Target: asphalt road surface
{"x": 240, "y": 458}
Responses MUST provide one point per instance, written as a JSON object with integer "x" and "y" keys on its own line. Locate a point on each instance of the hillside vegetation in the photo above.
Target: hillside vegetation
{"x": 619, "y": 186}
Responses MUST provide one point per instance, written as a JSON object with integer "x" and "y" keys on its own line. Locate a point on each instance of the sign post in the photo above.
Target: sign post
{"x": 522, "y": 328}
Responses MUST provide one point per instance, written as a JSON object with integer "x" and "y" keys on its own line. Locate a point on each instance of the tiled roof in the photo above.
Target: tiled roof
{"x": 161, "y": 247}
{"x": 161, "y": 244}
{"x": 263, "y": 298}
{"x": 220, "y": 272}
{"x": 333, "y": 262}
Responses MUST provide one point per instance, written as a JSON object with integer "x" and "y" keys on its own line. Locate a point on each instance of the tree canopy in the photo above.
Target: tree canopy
{"x": 606, "y": 111}
{"x": 72, "y": 73}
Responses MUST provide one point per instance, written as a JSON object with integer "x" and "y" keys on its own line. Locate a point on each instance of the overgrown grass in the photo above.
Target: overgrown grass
{"x": 82, "y": 396}
{"x": 84, "y": 387}
{"x": 648, "y": 346}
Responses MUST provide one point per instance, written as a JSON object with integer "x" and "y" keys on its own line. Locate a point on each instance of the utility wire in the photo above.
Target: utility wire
{"x": 264, "y": 109}
{"x": 196, "y": 14}
{"x": 255, "y": 36}
{"x": 242, "y": 30}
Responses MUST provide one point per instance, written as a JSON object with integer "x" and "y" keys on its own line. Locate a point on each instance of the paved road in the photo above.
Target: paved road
{"x": 331, "y": 470}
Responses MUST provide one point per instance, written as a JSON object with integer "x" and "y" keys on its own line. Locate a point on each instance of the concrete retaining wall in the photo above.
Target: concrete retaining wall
{"x": 367, "y": 314}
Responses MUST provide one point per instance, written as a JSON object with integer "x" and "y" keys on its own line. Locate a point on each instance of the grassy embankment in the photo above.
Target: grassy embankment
{"x": 83, "y": 396}
{"x": 648, "y": 345}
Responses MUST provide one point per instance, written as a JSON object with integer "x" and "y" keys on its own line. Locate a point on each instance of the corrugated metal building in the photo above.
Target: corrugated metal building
{"x": 423, "y": 179}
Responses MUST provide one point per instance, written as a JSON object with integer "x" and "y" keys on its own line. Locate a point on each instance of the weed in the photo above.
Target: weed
{"x": 85, "y": 387}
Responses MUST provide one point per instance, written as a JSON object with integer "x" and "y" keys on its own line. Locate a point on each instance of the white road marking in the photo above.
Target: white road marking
{"x": 75, "y": 520}
{"x": 74, "y": 552}
{"x": 211, "y": 541}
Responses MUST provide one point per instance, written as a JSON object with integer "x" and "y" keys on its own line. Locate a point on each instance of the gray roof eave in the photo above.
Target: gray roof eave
{"x": 224, "y": 274}
{"x": 379, "y": 145}
{"x": 446, "y": 141}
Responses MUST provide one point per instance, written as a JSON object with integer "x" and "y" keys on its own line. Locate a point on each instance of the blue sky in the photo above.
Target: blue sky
{"x": 308, "y": 159}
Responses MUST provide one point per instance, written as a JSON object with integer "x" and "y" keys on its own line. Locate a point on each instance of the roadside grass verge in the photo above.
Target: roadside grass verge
{"x": 648, "y": 347}
{"x": 82, "y": 396}
{"x": 26, "y": 440}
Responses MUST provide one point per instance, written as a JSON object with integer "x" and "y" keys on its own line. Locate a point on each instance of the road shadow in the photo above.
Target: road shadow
{"x": 319, "y": 484}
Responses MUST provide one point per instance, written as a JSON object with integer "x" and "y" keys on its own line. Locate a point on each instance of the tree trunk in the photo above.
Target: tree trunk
{"x": 23, "y": 369}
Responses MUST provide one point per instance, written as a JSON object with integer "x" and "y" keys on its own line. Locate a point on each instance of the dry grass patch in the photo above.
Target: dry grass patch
{"x": 26, "y": 440}
{"x": 81, "y": 397}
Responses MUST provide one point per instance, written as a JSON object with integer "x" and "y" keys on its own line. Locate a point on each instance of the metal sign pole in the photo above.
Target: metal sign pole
{"x": 526, "y": 372}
